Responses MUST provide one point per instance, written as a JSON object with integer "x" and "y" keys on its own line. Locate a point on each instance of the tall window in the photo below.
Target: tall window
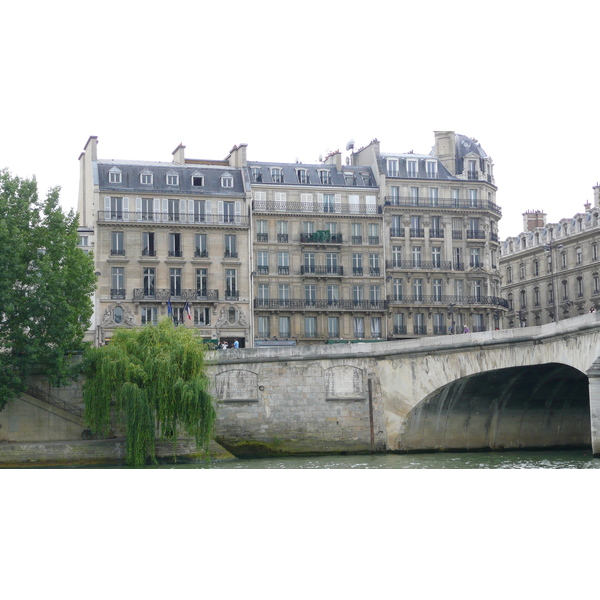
{"x": 283, "y": 263}
{"x": 414, "y": 196}
{"x": 202, "y": 315}
{"x": 284, "y": 327}
{"x": 173, "y": 209}
{"x": 437, "y": 290}
{"x": 416, "y": 256}
{"x": 328, "y": 203}
{"x": 201, "y": 245}
{"x": 357, "y": 264}
{"x": 418, "y": 289}
{"x": 310, "y": 327}
{"x": 149, "y": 315}
{"x": 276, "y": 175}
{"x": 473, "y": 198}
{"x": 399, "y": 325}
{"x": 477, "y": 290}
{"x": 310, "y": 294}
{"x": 436, "y": 256}
{"x": 263, "y": 294}
{"x": 149, "y": 282}
{"x": 396, "y": 256}
{"x": 397, "y": 289}
{"x": 433, "y": 197}
{"x": 392, "y": 167}
{"x": 200, "y": 211}
{"x": 284, "y": 292}
{"x": 376, "y": 327}
{"x": 148, "y": 244}
{"x": 476, "y": 257}
{"x": 359, "y": 328}
{"x": 114, "y": 175}
{"x": 202, "y": 283}
{"x": 175, "y": 244}
{"x": 117, "y": 282}
{"x": 231, "y": 246}
{"x": 374, "y": 265}
{"x": 116, "y": 208}
{"x": 333, "y": 327}
{"x": 412, "y": 168}
{"x": 262, "y": 262}
{"x": 175, "y": 282}
{"x": 117, "y": 244}
{"x": 333, "y": 293}
{"x": 374, "y": 293}
{"x": 357, "y": 293}
{"x": 148, "y": 209}
{"x": 264, "y": 327}
{"x": 282, "y": 232}
{"x": 231, "y": 287}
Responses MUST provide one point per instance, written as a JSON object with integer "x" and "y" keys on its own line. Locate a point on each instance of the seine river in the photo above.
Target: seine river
{"x": 542, "y": 459}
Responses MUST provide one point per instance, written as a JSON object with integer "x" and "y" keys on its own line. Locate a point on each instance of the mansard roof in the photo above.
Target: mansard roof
{"x": 337, "y": 178}
{"x": 442, "y": 172}
{"x": 132, "y": 169}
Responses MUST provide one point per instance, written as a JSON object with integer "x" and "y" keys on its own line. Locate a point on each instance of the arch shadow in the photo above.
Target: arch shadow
{"x": 538, "y": 406}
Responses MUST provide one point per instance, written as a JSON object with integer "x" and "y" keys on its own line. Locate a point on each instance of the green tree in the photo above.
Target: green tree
{"x": 154, "y": 378}
{"x": 45, "y": 287}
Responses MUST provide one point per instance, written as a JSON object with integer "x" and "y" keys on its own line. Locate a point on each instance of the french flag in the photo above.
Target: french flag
{"x": 187, "y": 309}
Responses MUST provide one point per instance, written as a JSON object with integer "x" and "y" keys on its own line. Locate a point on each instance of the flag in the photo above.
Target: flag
{"x": 169, "y": 308}
{"x": 187, "y": 309}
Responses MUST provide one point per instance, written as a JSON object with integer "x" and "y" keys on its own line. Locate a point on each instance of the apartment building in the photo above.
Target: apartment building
{"x": 551, "y": 271}
{"x": 376, "y": 246}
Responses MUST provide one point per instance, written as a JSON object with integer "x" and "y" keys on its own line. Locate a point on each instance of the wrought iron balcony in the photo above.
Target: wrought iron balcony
{"x": 283, "y": 270}
{"x": 232, "y": 294}
{"x": 442, "y": 203}
{"x": 417, "y": 233}
{"x": 230, "y": 254}
{"x": 283, "y": 238}
{"x": 357, "y": 239}
{"x": 176, "y": 253}
{"x": 442, "y": 265}
{"x": 475, "y": 235}
{"x": 293, "y": 304}
{"x": 321, "y": 237}
{"x": 321, "y": 270}
{"x": 447, "y": 300}
{"x": 262, "y": 237}
{"x": 314, "y": 207}
{"x": 164, "y": 294}
{"x": 117, "y": 294}
{"x": 133, "y": 216}
{"x": 373, "y": 240}
{"x": 200, "y": 253}
{"x": 117, "y": 252}
{"x": 397, "y": 232}
{"x": 264, "y": 270}
{"x": 357, "y": 271}
{"x": 148, "y": 252}
{"x": 399, "y": 329}
{"x": 436, "y": 233}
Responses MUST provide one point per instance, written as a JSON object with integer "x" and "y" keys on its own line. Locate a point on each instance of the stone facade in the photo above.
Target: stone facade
{"x": 551, "y": 271}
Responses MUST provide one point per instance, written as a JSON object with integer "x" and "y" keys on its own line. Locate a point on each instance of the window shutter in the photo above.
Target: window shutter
{"x": 190, "y": 210}
{"x": 208, "y": 210}
{"x": 165, "y": 209}
{"x": 220, "y": 211}
{"x": 238, "y": 213}
{"x": 107, "y": 207}
{"x": 338, "y": 203}
{"x": 371, "y": 202}
{"x": 157, "y": 209}
{"x": 138, "y": 208}
{"x": 125, "y": 209}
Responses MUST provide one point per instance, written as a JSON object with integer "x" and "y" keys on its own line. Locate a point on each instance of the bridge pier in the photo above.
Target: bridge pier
{"x": 593, "y": 374}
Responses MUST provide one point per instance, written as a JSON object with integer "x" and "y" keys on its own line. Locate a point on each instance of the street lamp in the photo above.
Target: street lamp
{"x": 549, "y": 247}
{"x": 451, "y": 309}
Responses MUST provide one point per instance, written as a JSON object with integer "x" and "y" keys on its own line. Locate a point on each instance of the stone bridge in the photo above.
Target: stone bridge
{"x": 534, "y": 387}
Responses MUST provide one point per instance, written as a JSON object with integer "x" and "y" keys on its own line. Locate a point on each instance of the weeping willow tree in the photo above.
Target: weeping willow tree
{"x": 154, "y": 379}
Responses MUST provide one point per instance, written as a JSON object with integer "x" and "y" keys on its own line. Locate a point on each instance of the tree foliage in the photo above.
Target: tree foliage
{"x": 154, "y": 378}
{"x": 45, "y": 287}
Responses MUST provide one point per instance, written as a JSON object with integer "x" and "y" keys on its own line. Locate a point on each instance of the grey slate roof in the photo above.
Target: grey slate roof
{"x": 442, "y": 172}
{"x": 290, "y": 177}
{"x": 131, "y": 171}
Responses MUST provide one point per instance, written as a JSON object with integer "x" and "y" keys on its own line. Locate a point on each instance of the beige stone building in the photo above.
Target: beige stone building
{"x": 374, "y": 246}
{"x": 551, "y": 271}
{"x": 169, "y": 238}
{"x": 440, "y": 219}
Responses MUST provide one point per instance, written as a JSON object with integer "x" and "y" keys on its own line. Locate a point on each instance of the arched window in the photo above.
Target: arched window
{"x": 118, "y": 315}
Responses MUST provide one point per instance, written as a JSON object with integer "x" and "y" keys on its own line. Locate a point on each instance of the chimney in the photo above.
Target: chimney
{"x": 179, "y": 155}
{"x": 91, "y": 147}
{"x": 237, "y": 156}
{"x": 596, "y": 189}
{"x": 334, "y": 158}
{"x": 533, "y": 219}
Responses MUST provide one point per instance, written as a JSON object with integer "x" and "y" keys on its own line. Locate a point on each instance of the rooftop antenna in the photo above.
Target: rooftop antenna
{"x": 350, "y": 145}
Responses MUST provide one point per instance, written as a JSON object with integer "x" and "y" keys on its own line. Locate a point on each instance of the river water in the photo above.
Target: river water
{"x": 526, "y": 459}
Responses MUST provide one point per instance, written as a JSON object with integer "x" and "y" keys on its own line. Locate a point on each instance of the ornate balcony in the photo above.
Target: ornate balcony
{"x": 321, "y": 237}
{"x": 164, "y": 294}
{"x": 290, "y": 304}
{"x": 321, "y": 270}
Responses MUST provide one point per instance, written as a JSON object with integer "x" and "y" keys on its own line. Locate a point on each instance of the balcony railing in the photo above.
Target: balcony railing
{"x": 476, "y": 235}
{"x": 321, "y": 270}
{"x": 232, "y": 295}
{"x": 315, "y": 207}
{"x": 399, "y": 329}
{"x": 357, "y": 271}
{"x": 397, "y": 232}
{"x": 320, "y": 304}
{"x": 436, "y": 233}
{"x": 176, "y": 253}
{"x": 447, "y": 300}
{"x": 117, "y": 294}
{"x": 119, "y": 252}
{"x": 373, "y": 240}
{"x": 357, "y": 239}
{"x": 420, "y": 329}
{"x": 230, "y": 254}
{"x": 417, "y": 233}
{"x": 263, "y": 270}
{"x": 283, "y": 270}
{"x": 200, "y": 253}
{"x": 442, "y": 203}
{"x": 164, "y": 294}
{"x": 262, "y": 237}
{"x": 443, "y": 265}
{"x": 321, "y": 237}
{"x": 165, "y": 217}
{"x": 283, "y": 238}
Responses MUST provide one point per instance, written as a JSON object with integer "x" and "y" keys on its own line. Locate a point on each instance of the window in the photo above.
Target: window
{"x": 431, "y": 166}
{"x": 472, "y": 169}
{"x": 262, "y": 231}
{"x": 333, "y": 294}
{"x": 394, "y": 195}
{"x": 231, "y": 287}
{"x": 357, "y": 293}
{"x": 284, "y": 327}
{"x": 359, "y": 328}
{"x": 536, "y": 268}
{"x": 399, "y": 326}
{"x": 509, "y": 275}
{"x": 149, "y": 315}
{"x": 565, "y": 290}
{"x": 83, "y": 240}
{"x": 197, "y": 180}
{"x": 412, "y": 168}
{"x": 331, "y": 261}
{"x": 376, "y": 327}
{"x": 437, "y": 290}
{"x": 333, "y": 327}
{"x": 374, "y": 293}
{"x": 262, "y": 262}
{"x": 455, "y": 198}
{"x": 523, "y": 296}
{"x": 522, "y": 270}
{"x": 308, "y": 227}
{"x": 201, "y": 210}
{"x": 416, "y": 256}
{"x": 284, "y": 292}
{"x": 117, "y": 248}
{"x": 173, "y": 209}
{"x": 415, "y": 227}
{"x": 202, "y": 283}
{"x": 396, "y": 256}
{"x": 255, "y": 174}
{"x": 115, "y": 176}
{"x": 578, "y": 256}
{"x": 596, "y": 283}
{"x": 201, "y": 250}
{"x": 149, "y": 282}
{"x": 231, "y": 246}
{"x": 356, "y": 229}
{"x": 477, "y": 290}
{"x": 282, "y": 232}
{"x": 550, "y": 294}
{"x": 264, "y": 327}
{"x": 373, "y": 233}
{"x": 276, "y": 175}
{"x": 175, "y": 282}
{"x": 146, "y": 178}
{"x": 436, "y": 256}
{"x": 117, "y": 282}
{"x": 172, "y": 179}
{"x": 536, "y": 296}
{"x": 357, "y": 264}
{"x": 228, "y": 211}
{"x": 302, "y": 176}
{"x": 202, "y": 315}
{"x": 396, "y": 229}
{"x": 374, "y": 265}
{"x": 414, "y": 196}
{"x": 227, "y": 181}
{"x": 310, "y": 327}
{"x": 263, "y": 294}
{"x": 147, "y": 209}
{"x": 594, "y": 251}
{"x": 473, "y": 198}
{"x": 397, "y": 289}
{"x": 175, "y": 245}
{"x": 283, "y": 263}
{"x": 418, "y": 290}
{"x": 419, "y": 324}
{"x": 476, "y": 257}
{"x": 324, "y": 177}
{"x": 563, "y": 259}
{"x": 115, "y": 207}
{"x": 118, "y": 315}
{"x": 148, "y": 244}
{"x": 433, "y": 197}
{"x": 328, "y": 203}
{"x": 310, "y": 294}
{"x": 392, "y": 167}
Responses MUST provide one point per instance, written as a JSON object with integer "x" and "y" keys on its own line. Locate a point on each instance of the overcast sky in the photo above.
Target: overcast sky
{"x": 294, "y": 81}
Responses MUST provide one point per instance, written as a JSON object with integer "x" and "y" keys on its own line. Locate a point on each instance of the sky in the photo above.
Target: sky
{"x": 296, "y": 81}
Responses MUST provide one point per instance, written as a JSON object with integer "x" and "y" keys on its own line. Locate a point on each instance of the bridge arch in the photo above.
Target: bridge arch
{"x": 535, "y": 406}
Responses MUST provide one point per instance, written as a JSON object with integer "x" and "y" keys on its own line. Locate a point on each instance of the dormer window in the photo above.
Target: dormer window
{"x": 115, "y": 176}
{"x": 256, "y": 175}
{"x": 366, "y": 178}
{"x": 226, "y": 180}
{"x": 276, "y": 175}
{"x": 392, "y": 167}
{"x": 197, "y": 180}
{"x": 324, "y": 177}
{"x": 472, "y": 169}
{"x": 146, "y": 178}
{"x": 302, "y": 176}
{"x": 172, "y": 179}
{"x": 412, "y": 168}
{"x": 431, "y": 166}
